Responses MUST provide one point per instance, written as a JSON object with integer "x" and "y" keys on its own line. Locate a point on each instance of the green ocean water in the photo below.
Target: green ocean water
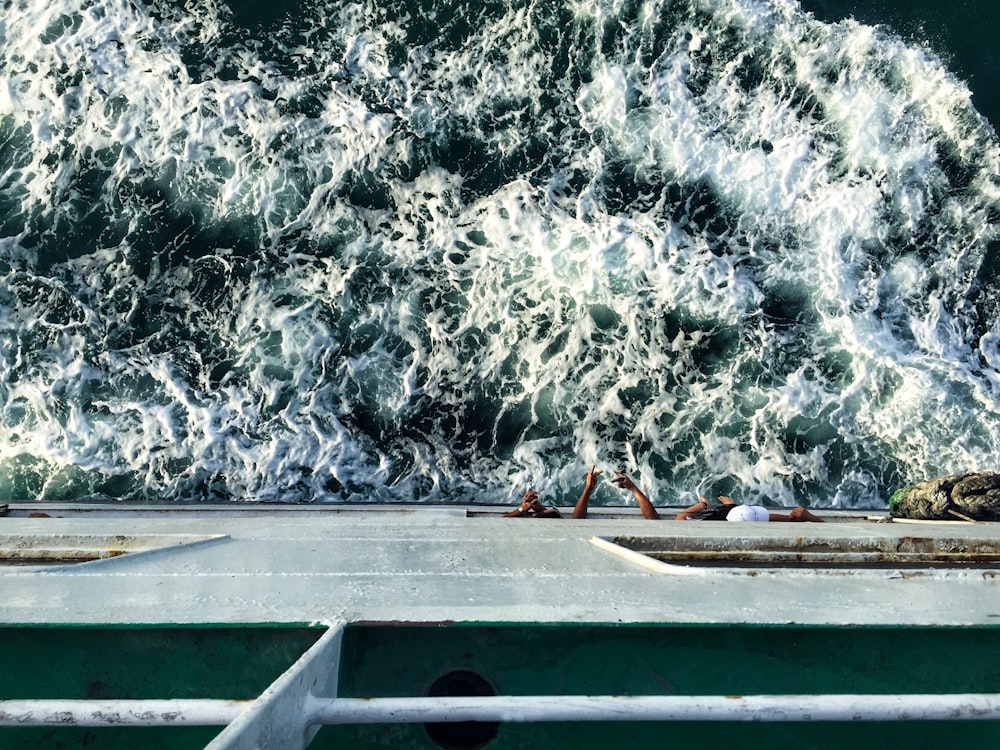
{"x": 443, "y": 251}
{"x": 961, "y": 33}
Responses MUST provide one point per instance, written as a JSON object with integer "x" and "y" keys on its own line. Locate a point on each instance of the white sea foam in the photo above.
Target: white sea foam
{"x": 337, "y": 258}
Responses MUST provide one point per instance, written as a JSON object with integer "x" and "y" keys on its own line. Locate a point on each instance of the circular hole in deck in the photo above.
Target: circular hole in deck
{"x": 462, "y": 735}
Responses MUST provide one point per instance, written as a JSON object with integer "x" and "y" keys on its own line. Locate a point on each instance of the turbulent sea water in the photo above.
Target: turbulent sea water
{"x": 446, "y": 251}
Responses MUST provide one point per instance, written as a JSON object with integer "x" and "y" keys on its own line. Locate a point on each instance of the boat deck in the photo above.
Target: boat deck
{"x": 417, "y": 564}
{"x": 289, "y": 627}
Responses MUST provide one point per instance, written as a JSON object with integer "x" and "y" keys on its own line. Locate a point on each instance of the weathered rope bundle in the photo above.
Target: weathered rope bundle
{"x": 950, "y": 498}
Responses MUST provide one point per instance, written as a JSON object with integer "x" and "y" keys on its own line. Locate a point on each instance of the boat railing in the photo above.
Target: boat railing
{"x": 290, "y": 711}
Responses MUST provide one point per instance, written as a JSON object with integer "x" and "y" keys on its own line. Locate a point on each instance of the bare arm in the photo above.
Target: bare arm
{"x": 525, "y": 507}
{"x": 796, "y": 514}
{"x": 701, "y": 505}
{"x": 580, "y": 511}
{"x": 531, "y": 507}
{"x": 648, "y": 511}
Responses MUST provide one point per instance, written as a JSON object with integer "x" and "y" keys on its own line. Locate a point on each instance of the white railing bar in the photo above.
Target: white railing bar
{"x": 770, "y": 708}
{"x": 107, "y": 713}
{"x": 934, "y": 707}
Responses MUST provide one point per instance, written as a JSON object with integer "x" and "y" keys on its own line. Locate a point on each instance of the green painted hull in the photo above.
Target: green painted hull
{"x": 400, "y": 661}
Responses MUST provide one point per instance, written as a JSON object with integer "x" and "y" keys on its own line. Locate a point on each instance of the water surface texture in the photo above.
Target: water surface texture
{"x": 443, "y": 251}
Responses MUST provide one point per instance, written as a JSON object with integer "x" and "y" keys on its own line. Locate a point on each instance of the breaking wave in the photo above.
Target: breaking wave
{"x": 438, "y": 252}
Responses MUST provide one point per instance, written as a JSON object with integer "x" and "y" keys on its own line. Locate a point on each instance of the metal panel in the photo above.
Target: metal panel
{"x": 282, "y": 716}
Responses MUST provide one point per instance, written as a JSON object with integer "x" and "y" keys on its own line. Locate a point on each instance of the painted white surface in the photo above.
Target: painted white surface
{"x": 313, "y": 712}
{"x": 433, "y": 565}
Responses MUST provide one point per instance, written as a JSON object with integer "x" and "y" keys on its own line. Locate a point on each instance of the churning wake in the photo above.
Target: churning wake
{"x": 440, "y": 252}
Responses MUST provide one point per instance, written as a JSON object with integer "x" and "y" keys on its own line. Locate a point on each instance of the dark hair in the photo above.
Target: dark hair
{"x": 717, "y": 513}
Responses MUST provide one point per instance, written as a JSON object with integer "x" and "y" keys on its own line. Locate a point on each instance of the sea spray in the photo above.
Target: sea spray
{"x": 357, "y": 253}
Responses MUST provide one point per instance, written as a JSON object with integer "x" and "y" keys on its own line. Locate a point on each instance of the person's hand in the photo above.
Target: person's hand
{"x": 531, "y": 502}
{"x": 592, "y": 476}
{"x": 622, "y": 482}
{"x": 801, "y": 514}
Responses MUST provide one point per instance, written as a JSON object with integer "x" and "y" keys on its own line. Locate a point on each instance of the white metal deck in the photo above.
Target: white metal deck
{"x": 427, "y": 565}
{"x": 440, "y": 565}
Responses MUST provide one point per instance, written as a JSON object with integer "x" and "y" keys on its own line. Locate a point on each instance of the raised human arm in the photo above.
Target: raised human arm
{"x": 580, "y": 511}
{"x": 645, "y": 506}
